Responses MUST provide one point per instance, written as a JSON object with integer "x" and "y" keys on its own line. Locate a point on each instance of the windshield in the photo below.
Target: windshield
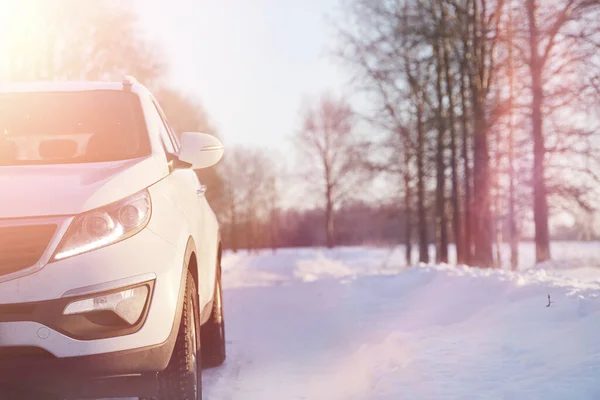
{"x": 71, "y": 127}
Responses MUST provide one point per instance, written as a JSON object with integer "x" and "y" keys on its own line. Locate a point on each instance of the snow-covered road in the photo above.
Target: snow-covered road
{"x": 351, "y": 324}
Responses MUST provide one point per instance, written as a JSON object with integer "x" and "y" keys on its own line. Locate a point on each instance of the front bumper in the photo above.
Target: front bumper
{"x": 89, "y": 273}
{"x": 128, "y": 373}
{"x": 21, "y": 365}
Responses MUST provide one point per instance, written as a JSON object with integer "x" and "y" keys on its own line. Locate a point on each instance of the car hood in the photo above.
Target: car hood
{"x": 47, "y": 190}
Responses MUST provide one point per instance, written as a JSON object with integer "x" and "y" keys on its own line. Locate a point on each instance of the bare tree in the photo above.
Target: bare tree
{"x": 466, "y": 89}
{"x": 441, "y": 244}
{"x": 249, "y": 198}
{"x": 463, "y": 54}
{"x": 558, "y": 37}
{"x": 383, "y": 61}
{"x": 185, "y": 112}
{"x": 485, "y": 17}
{"x": 419, "y": 101}
{"x": 514, "y": 238}
{"x": 272, "y": 204}
{"x": 447, "y": 51}
{"x": 71, "y": 39}
{"x": 330, "y": 149}
{"x": 540, "y": 201}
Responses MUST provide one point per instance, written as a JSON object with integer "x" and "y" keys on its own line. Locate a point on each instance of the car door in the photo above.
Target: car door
{"x": 191, "y": 195}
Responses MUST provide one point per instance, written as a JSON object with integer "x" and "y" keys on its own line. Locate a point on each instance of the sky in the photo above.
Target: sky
{"x": 251, "y": 63}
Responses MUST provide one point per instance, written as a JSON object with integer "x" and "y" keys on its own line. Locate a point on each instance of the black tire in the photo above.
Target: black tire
{"x": 182, "y": 379}
{"x": 213, "y": 330}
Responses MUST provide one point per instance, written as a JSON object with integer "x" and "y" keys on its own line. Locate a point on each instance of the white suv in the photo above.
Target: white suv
{"x": 110, "y": 272}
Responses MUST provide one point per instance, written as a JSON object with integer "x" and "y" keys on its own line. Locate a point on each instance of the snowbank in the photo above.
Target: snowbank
{"x": 352, "y": 324}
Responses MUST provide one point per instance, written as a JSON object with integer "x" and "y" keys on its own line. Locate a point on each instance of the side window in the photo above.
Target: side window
{"x": 166, "y": 140}
{"x": 172, "y": 138}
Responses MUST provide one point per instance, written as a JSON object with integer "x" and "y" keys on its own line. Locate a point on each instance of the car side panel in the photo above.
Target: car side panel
{"x": 190, "y": 192}
{"x": 205, "y": 240}
{"x": 179, "y": 213}
{"x": 189, "y": 188}
{"x": 212, "y": 237}
{"x": 168, "y": 220}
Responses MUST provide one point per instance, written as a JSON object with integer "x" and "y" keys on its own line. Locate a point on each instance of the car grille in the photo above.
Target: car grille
{"x": 22, "y": 246}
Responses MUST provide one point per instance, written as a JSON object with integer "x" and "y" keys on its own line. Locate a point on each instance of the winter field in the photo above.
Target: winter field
{"x": 353, "y": 323}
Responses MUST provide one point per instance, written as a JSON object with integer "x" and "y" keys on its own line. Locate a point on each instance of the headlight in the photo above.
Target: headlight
{"x": 105, "y": 226}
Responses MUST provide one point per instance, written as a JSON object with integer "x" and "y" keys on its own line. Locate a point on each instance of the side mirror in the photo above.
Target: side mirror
{"x": 201, "y": 150}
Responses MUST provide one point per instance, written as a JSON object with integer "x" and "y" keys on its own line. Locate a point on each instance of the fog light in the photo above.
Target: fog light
{"x": 128, "y": 304}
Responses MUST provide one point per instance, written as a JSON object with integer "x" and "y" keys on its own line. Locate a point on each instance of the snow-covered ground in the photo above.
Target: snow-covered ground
{"x": 353, "y": 323}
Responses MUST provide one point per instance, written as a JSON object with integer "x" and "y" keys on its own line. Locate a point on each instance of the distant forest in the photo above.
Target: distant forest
{"x": 356, "y": 225}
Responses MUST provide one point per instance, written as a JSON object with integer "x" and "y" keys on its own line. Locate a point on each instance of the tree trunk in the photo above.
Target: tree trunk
{"x": 441, "y": 253}
{"x": 468, "y": 220}
{"x": 329, "y": 226}
{"x": 540, "y": 201}
{"x": 514, "y": 239}
{"x": 423, "y": 239}
{"x": 481, "y": 159}
{"x": 456, "y": 218}
{"x": 408, "y": 208}
{"x": 274, "y": 229}
{"x": 481, "y": 179}
{"x": 497, "y": 202}
{"x": 250, "y": 231}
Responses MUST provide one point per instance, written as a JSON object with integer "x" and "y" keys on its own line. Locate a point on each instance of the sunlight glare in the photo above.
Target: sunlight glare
{"x": 19, "y": 23}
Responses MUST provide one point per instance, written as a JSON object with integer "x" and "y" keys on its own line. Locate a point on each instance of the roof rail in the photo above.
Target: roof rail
{"x": 128, "y": 82}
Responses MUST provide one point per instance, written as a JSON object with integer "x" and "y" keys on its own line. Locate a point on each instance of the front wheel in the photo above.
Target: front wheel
{"x": 182, "y": 379}
{"x": 213, "y": 331}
